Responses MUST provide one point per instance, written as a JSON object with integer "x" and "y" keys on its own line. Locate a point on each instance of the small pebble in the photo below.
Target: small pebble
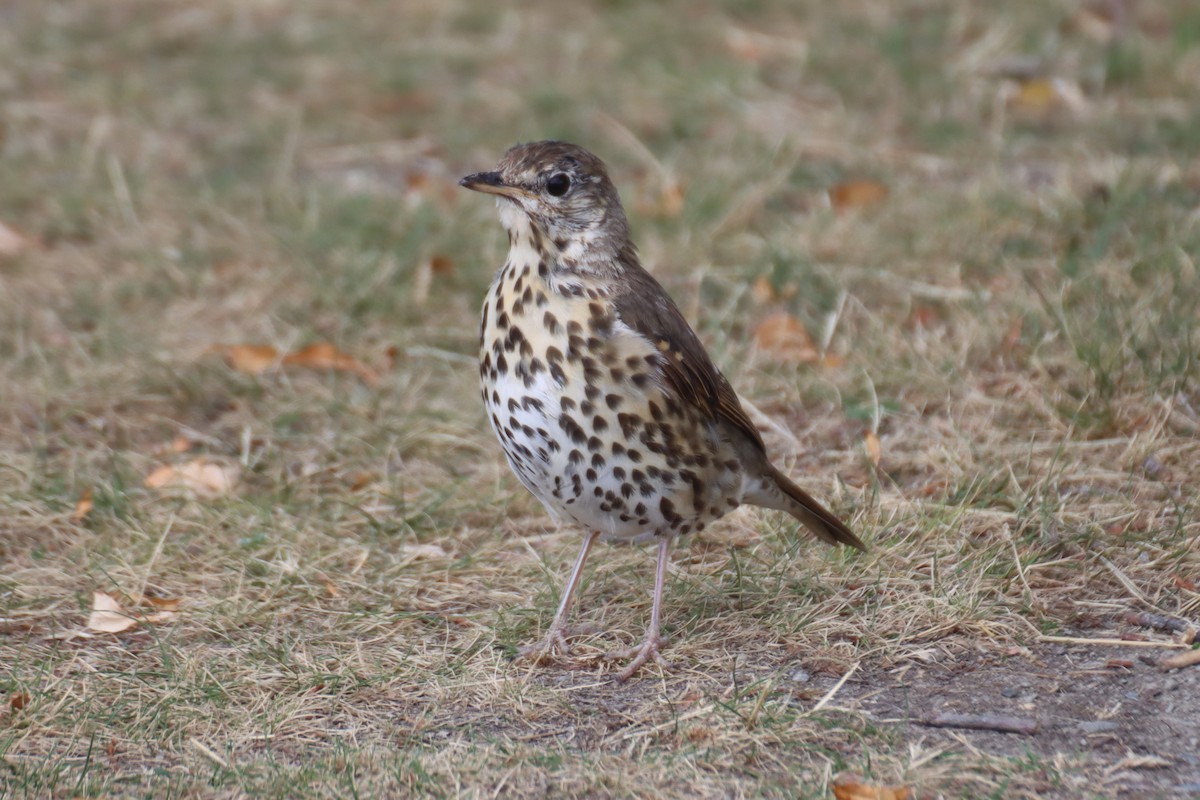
{"x": 801, "y": 676}
{"x": 1010, "y": 691}
{"x": 1099, "y": 726}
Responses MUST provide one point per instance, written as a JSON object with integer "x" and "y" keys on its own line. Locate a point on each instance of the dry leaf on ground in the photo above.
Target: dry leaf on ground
{"x": 855, "y": 790}
{"x": 786, "y": 339}
{"x": 107, "y": 616}
{"x": 322, "y": 355}
{"x": 855, "y": 194}
{"x": 199, "y": 475}
{"x": 415, "y": 551}
{"x": 11, "y": 242}
{"x": 18, "y": 701}
{"x": 249, "y": 358}
{"x": 874, "y": 451}
{"x": 1044, "y": 96}
{"x": 83, "y": 506}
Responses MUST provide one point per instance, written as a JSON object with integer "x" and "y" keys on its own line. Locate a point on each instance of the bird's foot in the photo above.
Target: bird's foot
{"x": 646, "y": 651}
{"x": 554, "y": 644}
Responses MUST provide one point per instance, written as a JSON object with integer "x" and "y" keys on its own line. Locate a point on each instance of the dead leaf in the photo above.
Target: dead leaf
{"x": 250, "y": 358}
{"x": 107, "y": 616}
{"x": 201, "y": 476}
{"x": 855, "y": 194}
{"x": 170, "y": 604}
{"x": 323, "y": 355}
{"x": 855, "y": 790}
{"x": 423, "y": 551}
{"x": 11, "y": 242}
{"x": 671, "y": 199}
{"x": 18, "y": 701}
{"x": 762, "y": 290}
{"x": 83, "y": 506}
{"x": 1043, "y": 96}
{"x": 330, "y": 588}
{"x": 360, "y": 480}
{"x": 441, "y": 265}
{"x": 874, "y": 451}
{"x": 180, "y": 444}
{"x": 785, "y": 338}
{"x": 391, "y": 356}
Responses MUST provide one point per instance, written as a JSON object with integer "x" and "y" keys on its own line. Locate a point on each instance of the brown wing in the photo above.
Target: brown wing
{"x": 647, "y": 308}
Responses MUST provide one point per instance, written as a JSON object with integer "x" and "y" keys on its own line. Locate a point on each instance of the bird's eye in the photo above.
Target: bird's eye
{"x": 558, "y": 184}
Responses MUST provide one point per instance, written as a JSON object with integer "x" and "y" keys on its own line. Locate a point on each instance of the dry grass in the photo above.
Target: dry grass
{"x": 1017, "y": 321}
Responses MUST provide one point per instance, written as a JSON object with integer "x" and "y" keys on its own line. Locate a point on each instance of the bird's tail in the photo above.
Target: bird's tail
{"x": 818, "y": 519}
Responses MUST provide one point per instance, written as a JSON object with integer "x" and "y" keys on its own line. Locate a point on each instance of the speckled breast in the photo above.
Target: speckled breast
{"x": 577, "y": 402}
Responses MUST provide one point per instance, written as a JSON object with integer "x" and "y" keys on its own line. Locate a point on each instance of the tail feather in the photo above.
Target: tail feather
{"x": 815, "y": 516}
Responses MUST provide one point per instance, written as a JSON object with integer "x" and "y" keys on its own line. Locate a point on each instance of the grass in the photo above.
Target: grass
{"x": 1017, "y": 321}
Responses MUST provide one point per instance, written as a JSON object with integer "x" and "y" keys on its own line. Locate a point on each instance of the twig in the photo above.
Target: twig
{"x": 1188, "y": 659}
{"x": 1001, "y": 723}
{"x": 836, "y": 688}
{"x": 1157, "y": 622}
{"x": 1109, "y": 642}
{"x": 209, "y": 753}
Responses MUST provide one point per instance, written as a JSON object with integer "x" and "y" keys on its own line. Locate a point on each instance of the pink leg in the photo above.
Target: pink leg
{"x": 554, "y": 641}
{"x": 650, "y": 645}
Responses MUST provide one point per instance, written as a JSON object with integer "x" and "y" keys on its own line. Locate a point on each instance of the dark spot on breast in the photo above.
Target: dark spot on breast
{"x": 597, "y": 459}
{"x": 613, "y": 401}
{"x": 594, "y": 444}
{"x": 599, "y": 424}
{"x": 633, "y": 455}
{"x": 619, "y": 473}
{"x": 575, "y": 457}
{"x": 640, "y": 380}
{"x": 566, "y": 404}
{"x": 502, "y": 321}
{"x": 590, "y": 474}
{"x": 551, "y": 323}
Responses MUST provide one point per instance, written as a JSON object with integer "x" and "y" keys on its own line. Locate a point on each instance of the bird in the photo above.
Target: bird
{"x": 606, "y": 404}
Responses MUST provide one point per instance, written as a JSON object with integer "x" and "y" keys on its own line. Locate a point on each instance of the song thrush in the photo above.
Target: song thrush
{"x": 607, "y": 405}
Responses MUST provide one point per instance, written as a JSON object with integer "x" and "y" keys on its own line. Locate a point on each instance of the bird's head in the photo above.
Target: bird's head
{"x": 562, "y": 190}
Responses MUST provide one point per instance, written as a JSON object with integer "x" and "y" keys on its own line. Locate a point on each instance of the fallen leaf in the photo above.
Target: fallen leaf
{"x": 330, "y": 588}
{"x": 180, "y": 444}
{"x": 423, "y": 551}
{"x": 441, "y": 265}
{"x": 360, "y": 480}
{"x": 323, "y": 355}
{"x": 83, "y": 506}
{"x": 107, "y": 616}
{"x": 762, "y": 290}
{"x": 1013, "y": 337}
{"x": 671, "y": 199}
{"x": 250, "y": 358}
{"x": 856, "y": 194}
{"x": 874, "y": 452}
{"x": 1183, "y": 583}
{"x": 18, "y": 701}
{"x": 161, "y": 603}
{"x": 854, "y": 790}
{"x": 786, "y": 339}
{"x": 201, "y": 476}
{"x": 1042, "y": 96}
{"x": 11, "y": 242}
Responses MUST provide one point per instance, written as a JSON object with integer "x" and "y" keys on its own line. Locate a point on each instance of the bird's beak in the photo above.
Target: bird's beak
{"x": 490, "y": 183}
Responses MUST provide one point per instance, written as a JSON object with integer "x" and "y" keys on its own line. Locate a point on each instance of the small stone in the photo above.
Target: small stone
{"x": 1099, "y": 726}
{"x": 1010, "y": 691}
{"x": 801, "y": 676}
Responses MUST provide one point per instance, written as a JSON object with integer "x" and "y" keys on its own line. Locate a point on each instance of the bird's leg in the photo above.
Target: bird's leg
{"x": 555, "y": 641}
{"x": 649, "y": 646}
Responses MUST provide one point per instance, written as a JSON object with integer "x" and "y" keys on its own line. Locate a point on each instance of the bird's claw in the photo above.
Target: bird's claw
{"x": 646, "y": 651}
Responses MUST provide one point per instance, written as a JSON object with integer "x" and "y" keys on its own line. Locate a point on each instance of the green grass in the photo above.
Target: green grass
{"x": 1017, "y": 321}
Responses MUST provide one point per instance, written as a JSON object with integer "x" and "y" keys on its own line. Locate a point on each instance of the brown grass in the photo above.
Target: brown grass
{"x": 1016, "y": 320}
